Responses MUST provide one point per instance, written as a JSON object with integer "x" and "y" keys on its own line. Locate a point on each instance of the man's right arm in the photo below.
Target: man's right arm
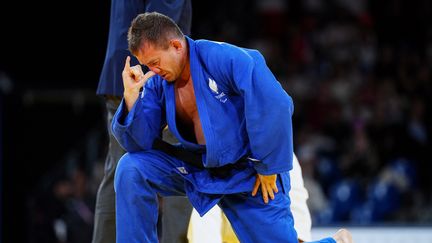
{"x": 139, "y": 119}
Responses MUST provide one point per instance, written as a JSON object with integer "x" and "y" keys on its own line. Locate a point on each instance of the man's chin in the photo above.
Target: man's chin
{"x": 169, "y": 78}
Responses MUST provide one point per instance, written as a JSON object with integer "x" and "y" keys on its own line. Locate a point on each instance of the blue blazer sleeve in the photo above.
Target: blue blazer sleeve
{"x": 267, "y": 107}
{"x": 136, "y": 130}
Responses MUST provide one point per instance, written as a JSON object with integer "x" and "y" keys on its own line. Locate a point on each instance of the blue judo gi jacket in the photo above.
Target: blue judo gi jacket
{"x": 243, "y": 109}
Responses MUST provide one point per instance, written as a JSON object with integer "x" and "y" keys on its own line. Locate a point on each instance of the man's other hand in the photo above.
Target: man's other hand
{"x": 268, "y": 186}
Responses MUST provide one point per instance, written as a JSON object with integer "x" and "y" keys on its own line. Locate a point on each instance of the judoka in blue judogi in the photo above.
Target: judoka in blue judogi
{"x": 221, "y": 102}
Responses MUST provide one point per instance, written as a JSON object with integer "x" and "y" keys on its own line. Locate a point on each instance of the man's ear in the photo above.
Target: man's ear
{"x": 177, "y": 44}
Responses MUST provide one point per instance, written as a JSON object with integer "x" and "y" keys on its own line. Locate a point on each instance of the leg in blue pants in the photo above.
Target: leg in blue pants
{"x": 139, "y": 178}
{"x": 254, "y": 221}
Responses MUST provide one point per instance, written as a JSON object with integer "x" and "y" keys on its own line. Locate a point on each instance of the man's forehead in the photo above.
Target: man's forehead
{"x": 146, "y": 52}
{"x": 145, "y": 48}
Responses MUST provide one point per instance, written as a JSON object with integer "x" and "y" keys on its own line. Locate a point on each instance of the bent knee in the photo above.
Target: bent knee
{"x": 127, "y": 162}
{"x": 135, "y": 166}
{"x": 127, "y": 171}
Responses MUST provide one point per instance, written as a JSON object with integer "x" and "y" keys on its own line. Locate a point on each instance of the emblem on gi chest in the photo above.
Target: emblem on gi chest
{"x": 214, "y": 88}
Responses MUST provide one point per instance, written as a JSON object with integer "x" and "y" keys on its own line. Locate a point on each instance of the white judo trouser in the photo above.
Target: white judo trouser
{"x": 208, "y": 228}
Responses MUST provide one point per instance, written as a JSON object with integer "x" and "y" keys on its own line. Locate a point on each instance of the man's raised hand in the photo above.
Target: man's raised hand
{"x": 133, "y": 80}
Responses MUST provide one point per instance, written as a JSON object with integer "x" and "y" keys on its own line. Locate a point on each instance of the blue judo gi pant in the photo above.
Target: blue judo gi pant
{"x": 140, "y": 176}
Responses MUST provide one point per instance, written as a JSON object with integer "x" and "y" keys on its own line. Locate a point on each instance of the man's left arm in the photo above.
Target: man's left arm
{"x": 268, "y": 111}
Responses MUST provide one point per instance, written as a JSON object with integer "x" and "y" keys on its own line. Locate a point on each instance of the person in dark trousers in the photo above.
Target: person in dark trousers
{"x": 111, "y": 89}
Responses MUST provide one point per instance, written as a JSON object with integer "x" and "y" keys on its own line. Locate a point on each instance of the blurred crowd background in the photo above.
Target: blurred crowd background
{"x": 359, "y": 72}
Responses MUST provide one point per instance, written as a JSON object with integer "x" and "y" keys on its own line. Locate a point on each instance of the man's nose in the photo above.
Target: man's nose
{"x": 155, "y": 70}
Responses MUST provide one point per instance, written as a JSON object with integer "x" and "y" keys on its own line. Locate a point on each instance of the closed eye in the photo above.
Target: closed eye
{"x": 154, "y": 63}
